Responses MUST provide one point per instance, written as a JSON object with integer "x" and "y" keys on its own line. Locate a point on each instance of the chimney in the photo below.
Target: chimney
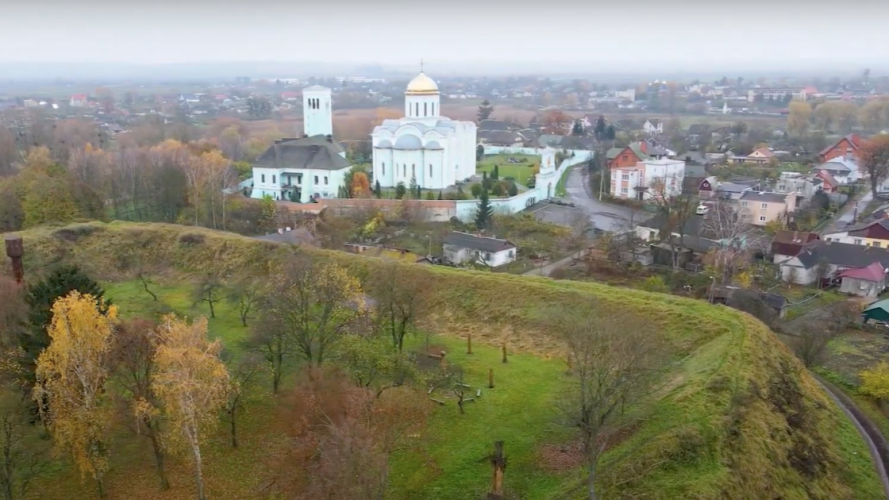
{"x": 15, "y": 250}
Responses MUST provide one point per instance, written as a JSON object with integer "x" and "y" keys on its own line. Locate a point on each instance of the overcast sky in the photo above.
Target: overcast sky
{"x": 677, "y": 34}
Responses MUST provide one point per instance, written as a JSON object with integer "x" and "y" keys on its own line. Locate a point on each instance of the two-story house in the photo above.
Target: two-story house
{"x": 647, "y": 179}
{"x": 871, "y": 234}
{"x": 626, "y": 157}
{"x": 803, "y": 185}
{"x": 846, "y": 147}
{"x": 760, "y": 207}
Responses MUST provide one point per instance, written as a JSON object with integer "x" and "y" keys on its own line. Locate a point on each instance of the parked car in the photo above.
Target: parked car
{"x": 702, "y": 209}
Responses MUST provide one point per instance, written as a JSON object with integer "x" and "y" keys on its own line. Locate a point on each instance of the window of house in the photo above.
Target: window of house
{"x": 762, "y": 218}
{"x": 623, "y": 190}
{"x": 652, "y": 235}
{"x": 781, "y": 188}
{"x": 262, "y": 177}
{"x": 325, "y": 180}
{"x": 745, "y": 216}
{"x": 877, "y": 244}
{"x": 625, "y": 157}
{"x": 857, "y": 241}
{"x": 625, "y": 177}
{"x": 487, "y": 256}
{"x": 316, "y": 180}
{"x": 744, "y": 204}
{"x": 512, "y": 254}
{"x": 274, "y": 179}
{"x": 764, "y": 206}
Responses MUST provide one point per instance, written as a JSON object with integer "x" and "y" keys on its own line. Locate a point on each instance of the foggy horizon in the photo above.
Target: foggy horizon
{"x": 566, "y": 36}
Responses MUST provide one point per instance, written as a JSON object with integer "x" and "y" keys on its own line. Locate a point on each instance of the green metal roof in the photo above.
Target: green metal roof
{"x": 878, "y": 311}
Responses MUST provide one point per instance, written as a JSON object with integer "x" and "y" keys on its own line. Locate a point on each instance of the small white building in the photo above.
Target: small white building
{"x": 639, "y": 181}
{"x": 653, "y": 127}
{"x": 308, "y": 168}
{"x": 464, "y": 247}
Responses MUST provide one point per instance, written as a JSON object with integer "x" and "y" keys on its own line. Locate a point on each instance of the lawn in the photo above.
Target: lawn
{"x": 521, "y": 172}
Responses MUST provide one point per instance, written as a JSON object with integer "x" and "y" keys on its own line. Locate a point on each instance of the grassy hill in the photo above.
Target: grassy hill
{"x": 740, "y": 418}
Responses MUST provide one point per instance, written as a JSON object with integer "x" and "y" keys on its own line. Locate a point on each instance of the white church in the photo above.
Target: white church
{"x": 424, "y": 146}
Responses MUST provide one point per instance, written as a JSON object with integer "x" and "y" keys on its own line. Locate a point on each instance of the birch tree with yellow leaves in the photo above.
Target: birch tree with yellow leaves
{"x": 192, "y": 384}
{"x": 71, "y": 377}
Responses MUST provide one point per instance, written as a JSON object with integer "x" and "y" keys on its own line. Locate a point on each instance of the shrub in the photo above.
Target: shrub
{"x": 476, "y": 190}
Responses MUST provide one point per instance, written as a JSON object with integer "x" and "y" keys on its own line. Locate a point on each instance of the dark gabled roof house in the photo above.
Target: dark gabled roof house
{"x": 480, "y": 243}
{"x": 316, "y": 152}
{"x": 494, "y": 125}
{"x": 842, "y": 255}
{"x": 791, "y": 242}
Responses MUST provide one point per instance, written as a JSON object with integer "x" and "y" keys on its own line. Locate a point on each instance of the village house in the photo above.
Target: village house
{"x": 653, "y": 127}
{"x": 712, "y": 188}
{"x": 759, "y": 207}
{"x": 641, "y": 181}
{"x": 846, "y": 147}
{"x": 803, "y": 185}
{"x": 299, "y": 236}
{"x": 787, "y": 244}
{"x": 843, "y": 169}
{"x": 867, "y": 281}
{"x": 760, "y": 156}
{"x": 464, "y": 247}
{"x": 78, "y": 101}
{"x": 874, "y": 233}
{"x": 828, "y": 259}
{"x": 501, "y": 138}
{"x": 626, "y": 157}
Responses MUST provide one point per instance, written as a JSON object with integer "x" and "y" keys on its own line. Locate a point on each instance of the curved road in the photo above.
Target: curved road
{"x": 603, "y": 215}
{"x": 876, "y": 443}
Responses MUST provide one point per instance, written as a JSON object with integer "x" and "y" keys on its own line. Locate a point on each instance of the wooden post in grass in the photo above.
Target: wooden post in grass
{"x": 498, "y": 461}
{"x": 469, "y": 344}
{"x": 490, "y": 378}
{"x": 504, "y": 352}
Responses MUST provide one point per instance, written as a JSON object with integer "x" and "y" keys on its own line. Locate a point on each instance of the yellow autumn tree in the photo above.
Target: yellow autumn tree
{"x": 192, "y": 385}
{"x": 875, "y": 381}
{"x": 798, "y": 117}
{"x": 360, "y": 185}
{"x": 71, "y": 377}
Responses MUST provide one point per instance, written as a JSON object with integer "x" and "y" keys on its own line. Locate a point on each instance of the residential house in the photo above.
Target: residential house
{"x": 626, "y": 157}
{"x": 844, "y": 170}
{"x": 760, "y": 156}
{"x": 653, "y": 127}
{"x": 831, "y": 257}
{"x": 655, "y": 149}
{"x": 867, "y": 281}
{"x": 874, "y": 233}
{"x": 759, "y": 207}
{"x": 495, "y": 125}
{"x": 637, "y": 181}
{"x": 829, "y": 184}
{"x": 787, "y": 244}
{"x": 294, "y": 236}
{"x": 804, "y": 185}
{"x": 384, "y": 252}
{"x": 78, "y": 101}
{"x": 846, "y": 147}
{"x": 711, "y": 188}
{"x": 464, "y": 247}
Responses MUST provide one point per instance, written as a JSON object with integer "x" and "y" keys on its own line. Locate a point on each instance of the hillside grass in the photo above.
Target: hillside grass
{"x": 739, "y": 419}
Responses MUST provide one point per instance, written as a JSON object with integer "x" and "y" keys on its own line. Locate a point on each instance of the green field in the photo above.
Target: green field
{"x": 518, "y": 171}
{"x": 737, "y": 416}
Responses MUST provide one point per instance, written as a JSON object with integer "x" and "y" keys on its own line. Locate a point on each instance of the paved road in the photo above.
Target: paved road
{"x": 603, "y": 215}
{"x": 847, "y": 215}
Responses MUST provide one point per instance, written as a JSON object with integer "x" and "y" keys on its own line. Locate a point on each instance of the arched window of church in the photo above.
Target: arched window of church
{"x": 404, "y": 170}
{"x": 425, "y": 111}
{"x": 384, "y": 168}
{"x": 414, "y": 170}
{"x": 433, "y": 109}
{"x": 430, "y": 170}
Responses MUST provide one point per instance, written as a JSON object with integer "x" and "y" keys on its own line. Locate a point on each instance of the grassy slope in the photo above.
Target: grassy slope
{"x": 742, "y": 419}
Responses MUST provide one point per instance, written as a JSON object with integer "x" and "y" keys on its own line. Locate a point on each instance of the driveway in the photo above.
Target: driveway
{"x": 603, "y": 215}
{"x": 847, "y": 215}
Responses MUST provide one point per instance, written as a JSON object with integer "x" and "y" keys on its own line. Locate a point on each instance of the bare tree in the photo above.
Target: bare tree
{"x": 616, "y": 362}
{"x": 398, "y": 299}
{"x": 210, "y": 290}
{"x": 677, "y": 209}
{"x": 243, "y": 377}
{"x": 728, "y": 225}
{"x": 21, "y": 460}
{"x": 270, "y": 338}
{"x": 244, "y": 294}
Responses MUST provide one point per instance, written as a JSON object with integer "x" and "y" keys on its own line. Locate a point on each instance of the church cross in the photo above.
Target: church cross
{"x": 421, "y": 65}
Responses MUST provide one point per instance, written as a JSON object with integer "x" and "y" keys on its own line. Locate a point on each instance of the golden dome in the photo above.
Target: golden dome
{"x": 422, "y": 84}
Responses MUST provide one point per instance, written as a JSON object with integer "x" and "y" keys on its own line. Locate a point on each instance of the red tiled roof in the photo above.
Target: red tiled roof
{"x": 78, "y": 97}
{"x": 854, "y": 140}
{"x": 873, "y": 272}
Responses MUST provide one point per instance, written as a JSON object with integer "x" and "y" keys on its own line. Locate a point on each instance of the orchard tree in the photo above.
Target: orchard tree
{"x": 399, "y": 298}
{"x": 71, "y": 382}
{"x": 192, "y": 384}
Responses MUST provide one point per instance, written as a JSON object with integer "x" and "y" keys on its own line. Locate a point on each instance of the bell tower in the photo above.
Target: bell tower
{"x": 317, "y": 112}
